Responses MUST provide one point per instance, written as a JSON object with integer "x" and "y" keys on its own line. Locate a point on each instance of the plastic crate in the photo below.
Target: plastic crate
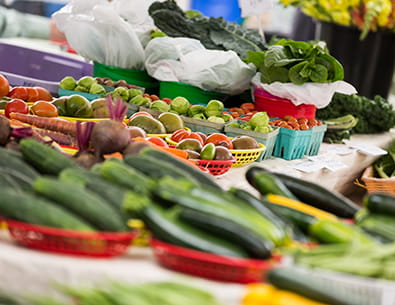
{"x": 211, "y": 266}
{"x": 193, "y": 94}
{"x": 245, "y": 156}
{"x": 279, "y": 107}
{"x": 315, "y": 142}
{"x": 204, "y": 126}
{"x": 19, "y": 80}
{"x": 41, "y": 65}
{"x": 215, "y": 167}
{"x": 88, "y": 96}
{"x": 93, "y": 244}
{"x": 292, "y": 144}
{"x": 267, "y": 139}
{"x": 133, "y": 77}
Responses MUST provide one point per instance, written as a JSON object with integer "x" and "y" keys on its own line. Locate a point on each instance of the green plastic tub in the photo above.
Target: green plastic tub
{"x": 134, "y": 77}
{"x": 193, "y": 94}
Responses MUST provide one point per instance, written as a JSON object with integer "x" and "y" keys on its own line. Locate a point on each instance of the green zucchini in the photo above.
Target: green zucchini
{"x": 156, "y": 168}
{"x": 381, "y": 203}
{"x": 166, "y": 226}
{"x": 302, "y": 281}
{"x": 44, "y": 158}
{"x": 82, "y": 202}
{"x": 125, "y": 176}
{"x": 11, "y": 177}
{"x": 379, "y": 224}
{"x": 266, "y": 183}
{"x": 329, "y": 231}
{"x": 199, "y": 175}
{"x": 29, "y": 208}
{"x": 318, "y": 196}
{"x": 13, "y": 160}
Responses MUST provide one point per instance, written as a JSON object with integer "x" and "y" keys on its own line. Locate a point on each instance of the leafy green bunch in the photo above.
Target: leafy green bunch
{"x": 296, "y": 61}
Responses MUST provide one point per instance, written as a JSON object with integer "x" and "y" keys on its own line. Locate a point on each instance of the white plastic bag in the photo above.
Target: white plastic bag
{"x": 96, "y": 31}
{"x": 317, "y": 94}
{"x": 186, "y": 60}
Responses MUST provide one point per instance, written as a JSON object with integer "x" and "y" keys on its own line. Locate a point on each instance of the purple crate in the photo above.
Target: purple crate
{"x": 41, "y": 65}
{"x": 18, "y": 80}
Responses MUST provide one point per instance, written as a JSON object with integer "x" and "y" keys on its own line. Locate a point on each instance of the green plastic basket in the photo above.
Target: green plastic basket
{"x": 88, "y": 96}
{"x": 292, "y": 144}
{"x": 193, "y": 94}
{"x": 267, "y": 139}
{"x": 317, "y": 136}
{"x": 134, "y": 77}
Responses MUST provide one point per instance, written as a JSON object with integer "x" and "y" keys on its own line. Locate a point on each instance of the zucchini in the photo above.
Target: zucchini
{"x": 195, "y": 172}
{"x": 11, "y": 177}
{"x": 125, "y": 176}
{"x": 166, "y": 226}
{"x": 155, "y": 168}
{"x": 320, "y": 197}
{"x": 302, "y": 281}
{"x": 44, "y": 158}
{"x": 82, "y": 202}
{"x": 380, "y": 203}
{"x": 244, "y": 227}
{"x": 380, "y": 225}
{"x": 227, "y": 229}
{"x": 329, "y": 231}
{"x": 13, "y": 160}
{"x": 29, "y": 208}
{"x": 266, "y": 183}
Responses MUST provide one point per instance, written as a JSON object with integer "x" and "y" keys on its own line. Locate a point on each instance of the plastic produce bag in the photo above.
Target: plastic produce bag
{"x": 317, "y": 94}
{"x": 186, "y": 60}
{"x": 96, "y": 31}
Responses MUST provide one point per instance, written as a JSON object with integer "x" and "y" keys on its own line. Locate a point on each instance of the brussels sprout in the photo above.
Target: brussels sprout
{"x": 196, "y": 109}
{"x": 81, "y": 89}
{"x": 121, "y": 92}
{"x": 215, "y": 119}
{"x": 140, "y": 100}
{"x": 160, "y": 106}
{"x": 68, "y": 83}
{"x": 259, "y": 119}
{"x": 214, "y": 108}
{"x": 227, "y": 117}
{"x": 86, "y": 81}
{"x": 180, "y": 104}
{"x": 199, "y": 116}
{"x": 133, "y": 92}
{"x": 263, "y": 129}
{"x": 97, "y": 89}
{"x": 235, "y": 125}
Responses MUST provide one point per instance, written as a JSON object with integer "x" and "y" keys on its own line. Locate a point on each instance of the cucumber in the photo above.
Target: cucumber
{"x": 302, "y": 281}
{"x": 82, "y": 202}
{"x": 155, "y": 168}
{"x": 44, "y": 158}
{"x": 266, "y": 183}
{"x": 196, "y": 173}
{"x": 29, "y": 208}
{"x": 13, "y": 160}
{"x": 166, "y": 226}
{"x": 318, "y": 196}
{"x": 378, "y": 224}
{"x": 11, "y": 177}
{"x": 255, "y": 234}
{"x": 380, "y": 203}
{"x": 125, "y": 176}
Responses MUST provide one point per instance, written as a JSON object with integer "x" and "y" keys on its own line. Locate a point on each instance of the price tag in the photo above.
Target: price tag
{"x": 369, "y": 149}
{"x": 308, "y": 166}
{"x": 254, "y": 7}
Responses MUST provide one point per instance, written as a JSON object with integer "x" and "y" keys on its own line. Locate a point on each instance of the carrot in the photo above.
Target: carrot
{"x": 59, "y": 137}
{"x": 178, "y": 152}
{"x": 53, "y": 124}
{"x": 117, "y": 155}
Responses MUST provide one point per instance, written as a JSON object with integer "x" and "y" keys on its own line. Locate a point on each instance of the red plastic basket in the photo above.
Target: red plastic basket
{"x": 278, "y": 107}
{"x": 94, "y": 244}
{"x": 211, "y": 266}
{"x": 215, "y": 167}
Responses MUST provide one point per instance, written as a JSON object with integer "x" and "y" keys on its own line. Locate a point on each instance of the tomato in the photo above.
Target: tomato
{"x": 32, "y": 95}
{"x": 4, "y": 86}
{"x": 43, "y": 94}
{"x": 219, "y": 139}
{"x": 16, "y": 105}
{"x": 311, "y": 123}
{"x": 179, "y": 135}
{"x": 154, "y": 97}
{"x": 167, "y": 100}
{"x": 247, "y": 107}
{"x": 19, "y": 93}
{"x": 196, "y": 136}
{"x": 303, "y": 127}
{"x": 44, "y": 108}
{"x": 140, "y": 113}
{"x": 157, "y": 141}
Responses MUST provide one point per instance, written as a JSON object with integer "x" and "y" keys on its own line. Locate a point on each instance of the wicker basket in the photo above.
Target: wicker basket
{"x": 377, "y": 185}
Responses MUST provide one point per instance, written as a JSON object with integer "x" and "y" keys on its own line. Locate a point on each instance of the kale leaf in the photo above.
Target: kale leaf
{"x": 213, "y": 33}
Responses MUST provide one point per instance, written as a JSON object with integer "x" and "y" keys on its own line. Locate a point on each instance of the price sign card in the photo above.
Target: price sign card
{"x": 329, "y": 163}
{"x": 369, "y": 149}
{"x": 308, "y": 166}
{"x": 254, "y": 7}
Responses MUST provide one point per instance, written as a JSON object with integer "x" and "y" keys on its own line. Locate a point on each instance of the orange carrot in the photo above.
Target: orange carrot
{"x": 178, "y": 152}
{"x": 53, "y": 124}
